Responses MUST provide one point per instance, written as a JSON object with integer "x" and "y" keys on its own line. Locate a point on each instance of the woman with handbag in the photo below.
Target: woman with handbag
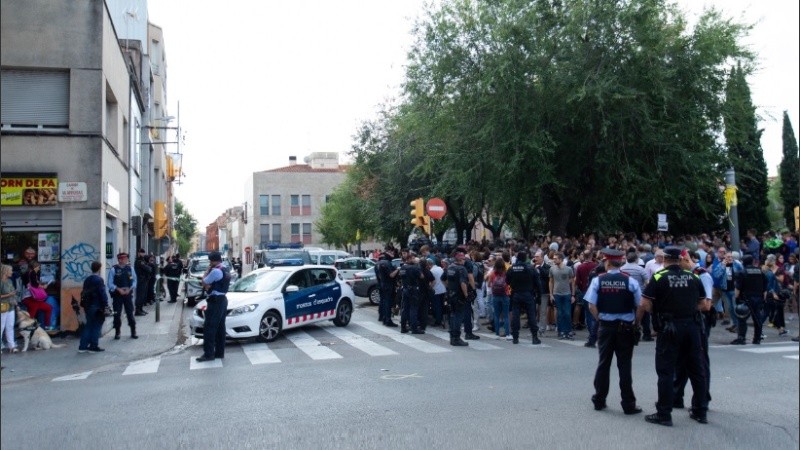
{"x": 35, "y": 302}
{"x": 94, "y": 300}
{"x": 8, "y": 303}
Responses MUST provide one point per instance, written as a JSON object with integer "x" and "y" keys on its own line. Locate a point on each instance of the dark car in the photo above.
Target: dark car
{"x": 365, "y": 284}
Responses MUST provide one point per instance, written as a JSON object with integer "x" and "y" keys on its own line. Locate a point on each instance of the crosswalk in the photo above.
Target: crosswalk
{"x": 782, "y": 349}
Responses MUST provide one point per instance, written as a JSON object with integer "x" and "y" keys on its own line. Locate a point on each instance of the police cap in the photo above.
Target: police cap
{"x": 672, "y": 252}
{"x": 612, "y": 254}
{"x": 215, "y": 256}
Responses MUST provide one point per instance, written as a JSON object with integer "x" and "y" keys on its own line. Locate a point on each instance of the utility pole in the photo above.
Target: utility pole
{"x": 730, "y": 205}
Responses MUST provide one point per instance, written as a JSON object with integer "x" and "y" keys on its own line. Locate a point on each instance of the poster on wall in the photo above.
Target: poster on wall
{"x": 28, "y": 189}
{"x": 48, "y": 273}
{"x": 49, "y": 246}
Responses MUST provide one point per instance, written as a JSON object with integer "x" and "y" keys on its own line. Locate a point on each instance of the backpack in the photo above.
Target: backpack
{"x": 87, "y": 297}
{"x": 499, "y": 286}
{"x": 477, "y": 272}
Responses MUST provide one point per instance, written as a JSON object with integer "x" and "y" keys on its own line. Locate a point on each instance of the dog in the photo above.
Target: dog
{"x": 32, "y": 333}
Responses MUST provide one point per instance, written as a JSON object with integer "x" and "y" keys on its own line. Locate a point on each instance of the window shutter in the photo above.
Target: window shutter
{"x": 32, "y": 98}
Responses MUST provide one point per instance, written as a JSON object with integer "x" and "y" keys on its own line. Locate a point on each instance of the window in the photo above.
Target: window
{"x": 306, "y": 233}
{"x": 295, "y": 231}
{"x": 306, "y": 205}
{"x": 276, "y": 232}
{"x": 276, "y": 205}
{"x": 295, "y": 206}
{"x": 263, "y": 205}
{"x": 138, "y": 164}
{"x": 264, "y": 234}
{"x": 111, "y": 130}
{"x": 34, "y": 99}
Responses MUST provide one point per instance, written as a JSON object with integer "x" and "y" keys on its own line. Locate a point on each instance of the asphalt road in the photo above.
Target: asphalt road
{"x": 357, "y": 388}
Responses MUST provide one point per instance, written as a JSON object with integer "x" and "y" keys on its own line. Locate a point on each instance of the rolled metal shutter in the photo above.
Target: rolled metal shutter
{"x": 34, "y": 98}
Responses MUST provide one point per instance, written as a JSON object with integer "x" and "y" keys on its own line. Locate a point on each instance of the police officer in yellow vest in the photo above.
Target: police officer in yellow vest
{"x": 676, "y": 298}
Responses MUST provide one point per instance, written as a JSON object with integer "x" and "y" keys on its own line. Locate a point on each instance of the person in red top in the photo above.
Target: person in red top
{"x": 582, "y": 284}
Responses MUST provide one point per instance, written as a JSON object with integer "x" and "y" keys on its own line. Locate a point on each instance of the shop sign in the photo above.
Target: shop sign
{"x": 28, "y": 190}
{"x": 72, "y": 191}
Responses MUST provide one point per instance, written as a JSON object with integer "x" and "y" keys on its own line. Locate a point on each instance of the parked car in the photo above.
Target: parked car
{"x": 195, "y": 270}
{"x": 348, "y": 267}
{"x": 267, "y": 301}
{"x": 327, "y": 257}
{"x": 281, "y": 257}
{"x": 365, "y": 284}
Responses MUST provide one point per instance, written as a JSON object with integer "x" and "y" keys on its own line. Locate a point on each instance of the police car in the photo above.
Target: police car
{"x": 267, "y": 301}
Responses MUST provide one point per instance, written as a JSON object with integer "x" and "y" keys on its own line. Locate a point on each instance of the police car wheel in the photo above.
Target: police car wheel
{"x": 343, "y": 313}
{"x": 270, "y": 327}
{"x": 374, "y": 295}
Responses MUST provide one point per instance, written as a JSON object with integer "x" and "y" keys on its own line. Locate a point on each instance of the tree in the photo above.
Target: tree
{"x": 185, "y": 227}
{"x": 743, "y": 141}
{"x": 789, "y": 172}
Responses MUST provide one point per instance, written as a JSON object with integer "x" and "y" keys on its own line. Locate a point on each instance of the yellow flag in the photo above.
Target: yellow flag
{"x": 358, "y": 235}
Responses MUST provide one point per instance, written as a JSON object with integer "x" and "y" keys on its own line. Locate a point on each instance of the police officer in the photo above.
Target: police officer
{"x": 525, "y": 290}
{"x": 675, "y": 297}
{"x": 410, "y": 280}
{"x": 216, "y": 282}
{"x": 122, "y": 284}
{"x": 613, "y": 298}
{"x": 173, "y": 272}
{"x": 143, "y": 272}
{"x": 457, "y": 282}
{"x": 690, "y": 261}
{"x": 751, "y": 289}
{"x": 385, "y": 274}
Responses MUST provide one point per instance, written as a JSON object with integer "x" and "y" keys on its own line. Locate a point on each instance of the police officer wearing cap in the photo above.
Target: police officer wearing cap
{"x": 525, "y": 290}
{"x": 613, "y": 299}
{"x": 411, "y": 279}
{"x": 751, "y": 289}
{"x": 457, "y": 280}
{"x": 122, "y": 284}
{"x": 216, "y": 282}
{"x": 675, "y": 297}
{"x": 385, "y": 274}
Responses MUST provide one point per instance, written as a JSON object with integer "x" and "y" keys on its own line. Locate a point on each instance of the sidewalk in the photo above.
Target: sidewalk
{"x": 154, "y": 338}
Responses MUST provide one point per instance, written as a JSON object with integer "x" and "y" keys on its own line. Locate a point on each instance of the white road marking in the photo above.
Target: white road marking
{"x": 143, "y": 366}
{"x": 572, "y": 342}
{"x": 311, "y": 346}
{"x": 77, "y": 376}
{"x": 739, "y": 347}
{"x": 792, "y": 356}
{"x": 259, "y": 353}
{"x": 213, "y": 364}
{"x": 359, "y": 342}
{"x": 477, "y": 345}
{"x": 417, "y": 344}
{"x": 792, "y": 348}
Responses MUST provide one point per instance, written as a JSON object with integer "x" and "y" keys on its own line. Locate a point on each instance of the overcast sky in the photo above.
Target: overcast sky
{"x": 259, "y": 81}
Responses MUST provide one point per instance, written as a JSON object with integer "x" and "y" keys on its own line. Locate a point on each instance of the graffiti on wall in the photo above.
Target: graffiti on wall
{"x": 78, "y": 260}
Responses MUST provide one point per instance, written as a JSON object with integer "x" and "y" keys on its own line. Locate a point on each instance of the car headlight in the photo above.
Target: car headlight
{"x": 242, "y": 310}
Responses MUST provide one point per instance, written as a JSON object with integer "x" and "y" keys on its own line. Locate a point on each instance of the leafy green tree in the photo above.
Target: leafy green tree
{"x": 185, "y": 227}
{"x": 789, "y": 172}
{"x": 743, "y": 140}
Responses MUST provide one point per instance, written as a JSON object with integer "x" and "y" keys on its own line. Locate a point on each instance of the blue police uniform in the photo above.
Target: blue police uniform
{"x": 525, "y": 289}
{"x": 218, "y": 279}
{"x": 752, "y": 286}
{"x": 681, "y": 374}
{"x": 122, "y": 277}
{"x": 383, "y": 272}
{"x": 456, "y": 275}
{"x": 616, "y": 297}
{"x": 675, "y": 294}
{"x": 410, "y": 278}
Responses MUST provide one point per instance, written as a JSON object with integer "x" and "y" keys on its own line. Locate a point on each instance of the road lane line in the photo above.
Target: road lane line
{"x": 143, "y": 366}
{"x": 795, "y": 357}
{"x": 477, "y": 345}
{"x": 359, "y": 342}
{"x": 416, "y": 344}
{"x": 792, "y": 348}
{"x": 259, "y": 353}
{"x": 213, "y": 364}
{"x": 311, "y": 346}
{"x": 77, "y": 376}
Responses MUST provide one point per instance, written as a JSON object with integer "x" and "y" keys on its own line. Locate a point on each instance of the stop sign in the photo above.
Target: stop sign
{"x": 436, "y": 208}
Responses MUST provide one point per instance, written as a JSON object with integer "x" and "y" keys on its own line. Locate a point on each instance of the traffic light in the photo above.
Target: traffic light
{"x": 418, "y": 211}
{"x": 160, "y": 220}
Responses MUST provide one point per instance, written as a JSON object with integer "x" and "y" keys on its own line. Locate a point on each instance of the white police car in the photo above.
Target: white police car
{"x": 267, "y": 301}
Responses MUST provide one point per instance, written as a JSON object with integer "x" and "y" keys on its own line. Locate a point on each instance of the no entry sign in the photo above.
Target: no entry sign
{"x": 436, "y": 208}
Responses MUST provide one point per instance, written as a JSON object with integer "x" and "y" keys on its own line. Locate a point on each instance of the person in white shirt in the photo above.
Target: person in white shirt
{"x": 439, "y": 292}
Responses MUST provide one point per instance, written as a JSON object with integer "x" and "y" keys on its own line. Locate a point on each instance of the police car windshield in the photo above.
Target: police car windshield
{"x": 199, "y": 265}
{"x": 261, "y": 281}
{"x": 279, "y": 255}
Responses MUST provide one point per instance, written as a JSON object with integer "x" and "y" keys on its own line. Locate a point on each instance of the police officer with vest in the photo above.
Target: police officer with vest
{"x": 613, "y": 299}
{"x": 525, "y": 292}
{"x": 457, "y": 281}
{"x": 122, "y": 284}
{"x": 410, "y": 280}
{"x": 216, "y": 282}
{"x": 173, "y": 272}
{"x": 751, "y": 289}
{"x": 675, "y": 297}
{"x": 385, "y": 274}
